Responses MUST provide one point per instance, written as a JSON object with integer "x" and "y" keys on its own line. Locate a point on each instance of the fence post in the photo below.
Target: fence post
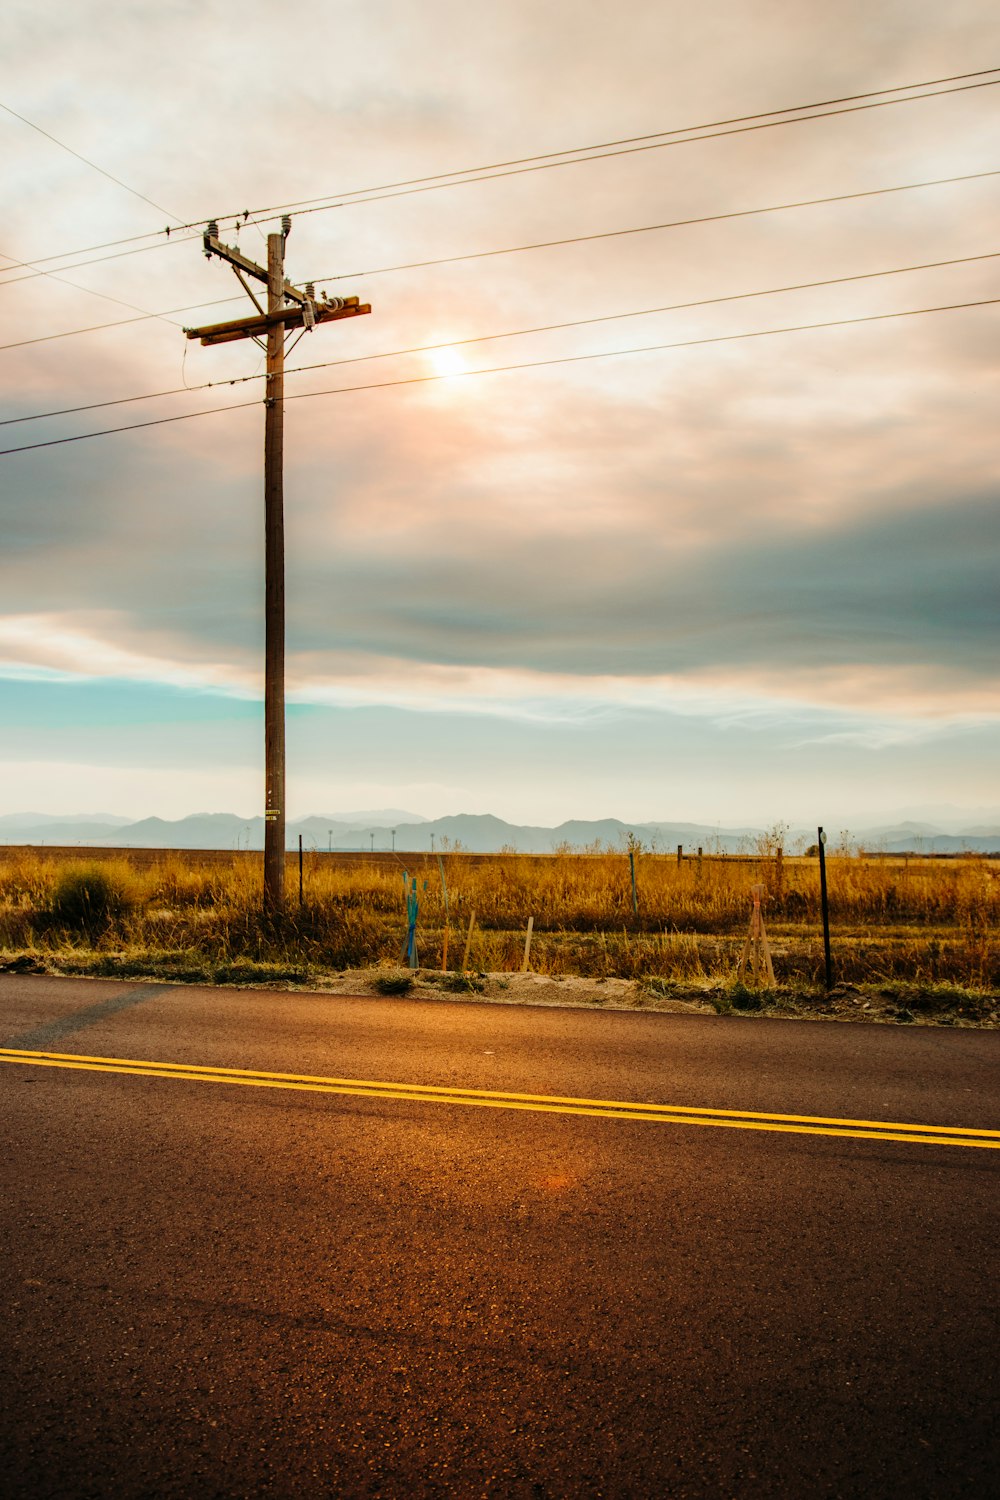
{"x": 821, "y": 845}
{"x": 444, "y": 941}
{"x": 412, "y": 910}
{"x": 300, "y": 869}
{"x": 635, "y": 898}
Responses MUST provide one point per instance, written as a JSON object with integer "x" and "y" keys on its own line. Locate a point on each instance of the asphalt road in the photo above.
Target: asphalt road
{"x": 232, "y": 1284}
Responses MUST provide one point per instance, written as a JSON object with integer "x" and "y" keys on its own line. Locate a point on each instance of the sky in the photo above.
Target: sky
{"x": 747, "y": 580}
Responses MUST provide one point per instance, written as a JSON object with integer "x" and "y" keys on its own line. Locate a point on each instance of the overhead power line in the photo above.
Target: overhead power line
{"x": 90, "y": 291}
{"x": 710, "y": 135}
{"x": 87, "y": 162}
{"x": 485, "y": 338}
{"x": 612, "y": 234}
{"x": 575, "y": 152}
{"x": 565, "y": 157}
{"x": 744, "y": 213}
{"x": 531, "y": 364}
{"x": 143, "y": 317}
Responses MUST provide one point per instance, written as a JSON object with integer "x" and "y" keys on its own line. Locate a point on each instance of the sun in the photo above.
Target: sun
{"x": 447, "y": 361}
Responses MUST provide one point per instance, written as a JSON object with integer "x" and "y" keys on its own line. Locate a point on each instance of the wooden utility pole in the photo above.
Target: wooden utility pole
{"x": 287, "y": 308}
{"x": 274, "y": 582}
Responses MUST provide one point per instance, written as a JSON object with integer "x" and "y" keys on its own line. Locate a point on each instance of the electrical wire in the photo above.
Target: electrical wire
{"x": 688, "y": 140}
{"x": 575, "y": 151}
{"x": 71, "y": 333}
{"x": 87, "y": 162}
{"x": 905, "y": 187}
{"x": 572, "y": 154}
{"x": 612, "y": 234}
{"x": 90, "y": 291}
{"x": 98, "y": 260}
{"x": 532, "y": 364}
{"x": 484, "y": 338}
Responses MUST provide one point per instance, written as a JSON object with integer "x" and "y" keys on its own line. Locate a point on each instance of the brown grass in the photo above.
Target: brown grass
{"x": 911, "y": 922}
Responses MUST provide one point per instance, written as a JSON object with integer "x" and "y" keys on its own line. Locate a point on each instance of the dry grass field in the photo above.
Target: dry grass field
{"x": 922, "y": 930}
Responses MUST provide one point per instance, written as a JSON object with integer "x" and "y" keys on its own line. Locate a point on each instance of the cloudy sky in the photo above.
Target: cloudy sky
{"x": 740, "y": 580}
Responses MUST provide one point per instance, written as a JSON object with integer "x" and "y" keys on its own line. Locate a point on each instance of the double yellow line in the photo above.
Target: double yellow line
{"x": 612, "y": 1109}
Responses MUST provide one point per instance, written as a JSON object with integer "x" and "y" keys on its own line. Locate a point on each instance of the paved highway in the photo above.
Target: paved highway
{"x": 273, "y": 1244}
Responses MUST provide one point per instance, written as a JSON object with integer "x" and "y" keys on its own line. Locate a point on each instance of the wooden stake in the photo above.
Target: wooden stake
{"x": 468, "y": 944}
{"x": 756, "y": 946}
{"x": 527, "y": 945}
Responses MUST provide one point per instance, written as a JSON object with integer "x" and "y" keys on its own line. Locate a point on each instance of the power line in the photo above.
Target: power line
{"x": 532, "y": 364}
{"x": 484, "y": 338}
{"x": 87, "y": 162}
{"x": 572, "y": 154}
{"x": 611, "y": 234}
{"x": 90, "y": 291}
{"x": 624, "y": 146}
{"x": 144, "y": 317}
{"x": 905, "y": 187}
{"x": 687, "y": 140}
{"x": 98, "y": 260}
{"x": 574, "y": 151}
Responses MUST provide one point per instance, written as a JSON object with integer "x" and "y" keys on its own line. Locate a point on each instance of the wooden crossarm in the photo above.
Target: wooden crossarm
{"x": 290, "y": 317}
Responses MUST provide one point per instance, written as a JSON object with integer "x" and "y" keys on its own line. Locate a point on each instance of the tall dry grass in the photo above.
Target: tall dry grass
{"x": 912, "y": 920}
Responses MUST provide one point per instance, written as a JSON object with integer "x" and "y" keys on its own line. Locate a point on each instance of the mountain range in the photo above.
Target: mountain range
{"x": 480, "y": 833}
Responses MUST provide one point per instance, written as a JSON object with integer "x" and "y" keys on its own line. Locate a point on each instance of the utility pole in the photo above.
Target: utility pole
{"x": 288, "y": 308}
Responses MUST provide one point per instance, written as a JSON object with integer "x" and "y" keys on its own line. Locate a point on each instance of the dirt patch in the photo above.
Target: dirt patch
{"x": 896, "y": 1003}
{"x": 904, "y": 1005}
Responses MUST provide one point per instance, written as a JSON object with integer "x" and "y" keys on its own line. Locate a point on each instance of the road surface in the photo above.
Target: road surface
{"x": 277, "y": 1244}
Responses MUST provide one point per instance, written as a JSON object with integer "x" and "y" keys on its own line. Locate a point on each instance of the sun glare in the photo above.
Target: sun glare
{"x": 447, "y": 361}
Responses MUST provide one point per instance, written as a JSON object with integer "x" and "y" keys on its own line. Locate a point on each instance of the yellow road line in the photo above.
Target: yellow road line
{"x": 881, "y": 1130}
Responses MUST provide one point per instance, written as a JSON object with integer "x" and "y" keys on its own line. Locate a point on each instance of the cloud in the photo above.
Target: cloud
{"x": 741, "y": 535}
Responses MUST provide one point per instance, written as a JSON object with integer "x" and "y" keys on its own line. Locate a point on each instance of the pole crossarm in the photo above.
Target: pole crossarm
{"x": 291, "y": 317}
{"x": 214, "y": 246}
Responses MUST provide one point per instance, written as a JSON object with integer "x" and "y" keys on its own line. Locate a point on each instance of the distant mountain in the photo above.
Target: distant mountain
{"x": 907, "y": 829}
{"x": 35, "y": 820}
{"x": 936, "y": 843}
{"x": 479, "y": 833}
{"x": 201, "y": 831}
{"x": 384, "y": 817}
{"x": 482, "y": 833}
{"x": 61, "y": 832}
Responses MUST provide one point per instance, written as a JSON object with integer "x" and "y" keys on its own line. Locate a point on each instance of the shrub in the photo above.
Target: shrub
{"x": 88, "y": 898}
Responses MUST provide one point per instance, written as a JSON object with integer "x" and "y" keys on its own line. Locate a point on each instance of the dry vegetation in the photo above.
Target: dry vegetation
{"x": 911, "y": 928}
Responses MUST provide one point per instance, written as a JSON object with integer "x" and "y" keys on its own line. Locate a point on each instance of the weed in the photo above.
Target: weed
{"x": 465, "y": 984}
{"x": 394, "y": 984}
{"x": 743, "y": 998}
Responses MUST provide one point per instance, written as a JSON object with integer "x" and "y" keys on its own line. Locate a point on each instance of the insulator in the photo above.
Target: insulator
{"x": 310, "y": 291}
{"x": 213, "y": 228}
{"x": 286, "y": 225}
